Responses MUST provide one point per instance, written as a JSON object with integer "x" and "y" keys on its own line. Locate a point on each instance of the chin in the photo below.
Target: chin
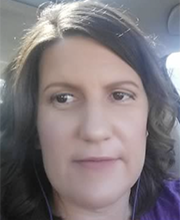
{"x": 100, "y": 199}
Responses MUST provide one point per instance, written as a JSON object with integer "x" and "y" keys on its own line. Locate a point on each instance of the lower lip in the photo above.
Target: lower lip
{"x": 97, "y": 164}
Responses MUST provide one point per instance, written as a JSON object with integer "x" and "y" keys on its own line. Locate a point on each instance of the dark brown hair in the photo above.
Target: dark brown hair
{"x": 21, "y": 197}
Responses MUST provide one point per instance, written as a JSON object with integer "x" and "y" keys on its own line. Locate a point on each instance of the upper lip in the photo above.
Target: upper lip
{"x": 96, "y": 159}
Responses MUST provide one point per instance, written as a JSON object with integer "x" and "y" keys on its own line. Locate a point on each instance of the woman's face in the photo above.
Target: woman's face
{"x": 92, "y": 119}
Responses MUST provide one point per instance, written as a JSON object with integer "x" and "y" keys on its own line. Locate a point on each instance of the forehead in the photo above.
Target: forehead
{"x": 83, "y": 59}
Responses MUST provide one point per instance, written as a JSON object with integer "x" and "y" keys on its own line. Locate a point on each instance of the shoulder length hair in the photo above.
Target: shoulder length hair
{"x": 21, "y": 197}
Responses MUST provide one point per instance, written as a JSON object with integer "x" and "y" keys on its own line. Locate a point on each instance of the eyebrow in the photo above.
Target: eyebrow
{"x": 76, "y": 87}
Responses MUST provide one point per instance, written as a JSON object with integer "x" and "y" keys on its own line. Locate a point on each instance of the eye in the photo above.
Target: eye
{"x": 63, "y": 98}
{"x": 122, "y": 96}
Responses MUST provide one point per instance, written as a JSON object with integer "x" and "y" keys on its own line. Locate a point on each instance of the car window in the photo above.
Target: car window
{"x": 1, "y": 85}
{"x": 173, "y": 67}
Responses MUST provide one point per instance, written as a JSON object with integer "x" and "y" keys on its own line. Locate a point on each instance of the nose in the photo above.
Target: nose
{"x": 95, "y": 126}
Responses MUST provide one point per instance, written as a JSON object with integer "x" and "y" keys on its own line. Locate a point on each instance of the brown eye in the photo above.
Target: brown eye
{"x": 121, "y": 96}
{"x": 64, "y": 98}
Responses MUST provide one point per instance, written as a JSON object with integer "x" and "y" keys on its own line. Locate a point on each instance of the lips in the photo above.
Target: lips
{"x": 96, "y": 159}
{"x": 97, "y": 162}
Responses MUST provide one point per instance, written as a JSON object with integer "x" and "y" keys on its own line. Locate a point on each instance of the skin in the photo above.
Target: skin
{"x": 101, "y": 115}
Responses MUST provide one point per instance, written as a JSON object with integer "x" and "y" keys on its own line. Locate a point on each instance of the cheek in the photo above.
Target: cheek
{"x": 53, "y": 129}
{"x": 131, "y": 123}
{"x": 55, "y": 134}
{"x": 131, "y": 129}
{"x": 51, "y": 136}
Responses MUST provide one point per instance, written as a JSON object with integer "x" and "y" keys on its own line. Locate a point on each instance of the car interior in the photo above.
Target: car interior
{"x": 159, "y": 19}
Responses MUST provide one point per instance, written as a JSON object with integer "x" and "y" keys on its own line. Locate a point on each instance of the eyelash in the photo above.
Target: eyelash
{"x": 130, "y": 96}
{"x": 55, "y": 97}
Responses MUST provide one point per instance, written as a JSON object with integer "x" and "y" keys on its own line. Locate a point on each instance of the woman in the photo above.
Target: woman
{"x": 86, "y": 119}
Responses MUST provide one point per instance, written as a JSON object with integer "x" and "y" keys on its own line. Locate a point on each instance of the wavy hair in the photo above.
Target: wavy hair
{"x": 21, "y": 197}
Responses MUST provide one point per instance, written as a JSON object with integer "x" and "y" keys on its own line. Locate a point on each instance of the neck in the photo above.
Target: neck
{"x": 119, "y": 210}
